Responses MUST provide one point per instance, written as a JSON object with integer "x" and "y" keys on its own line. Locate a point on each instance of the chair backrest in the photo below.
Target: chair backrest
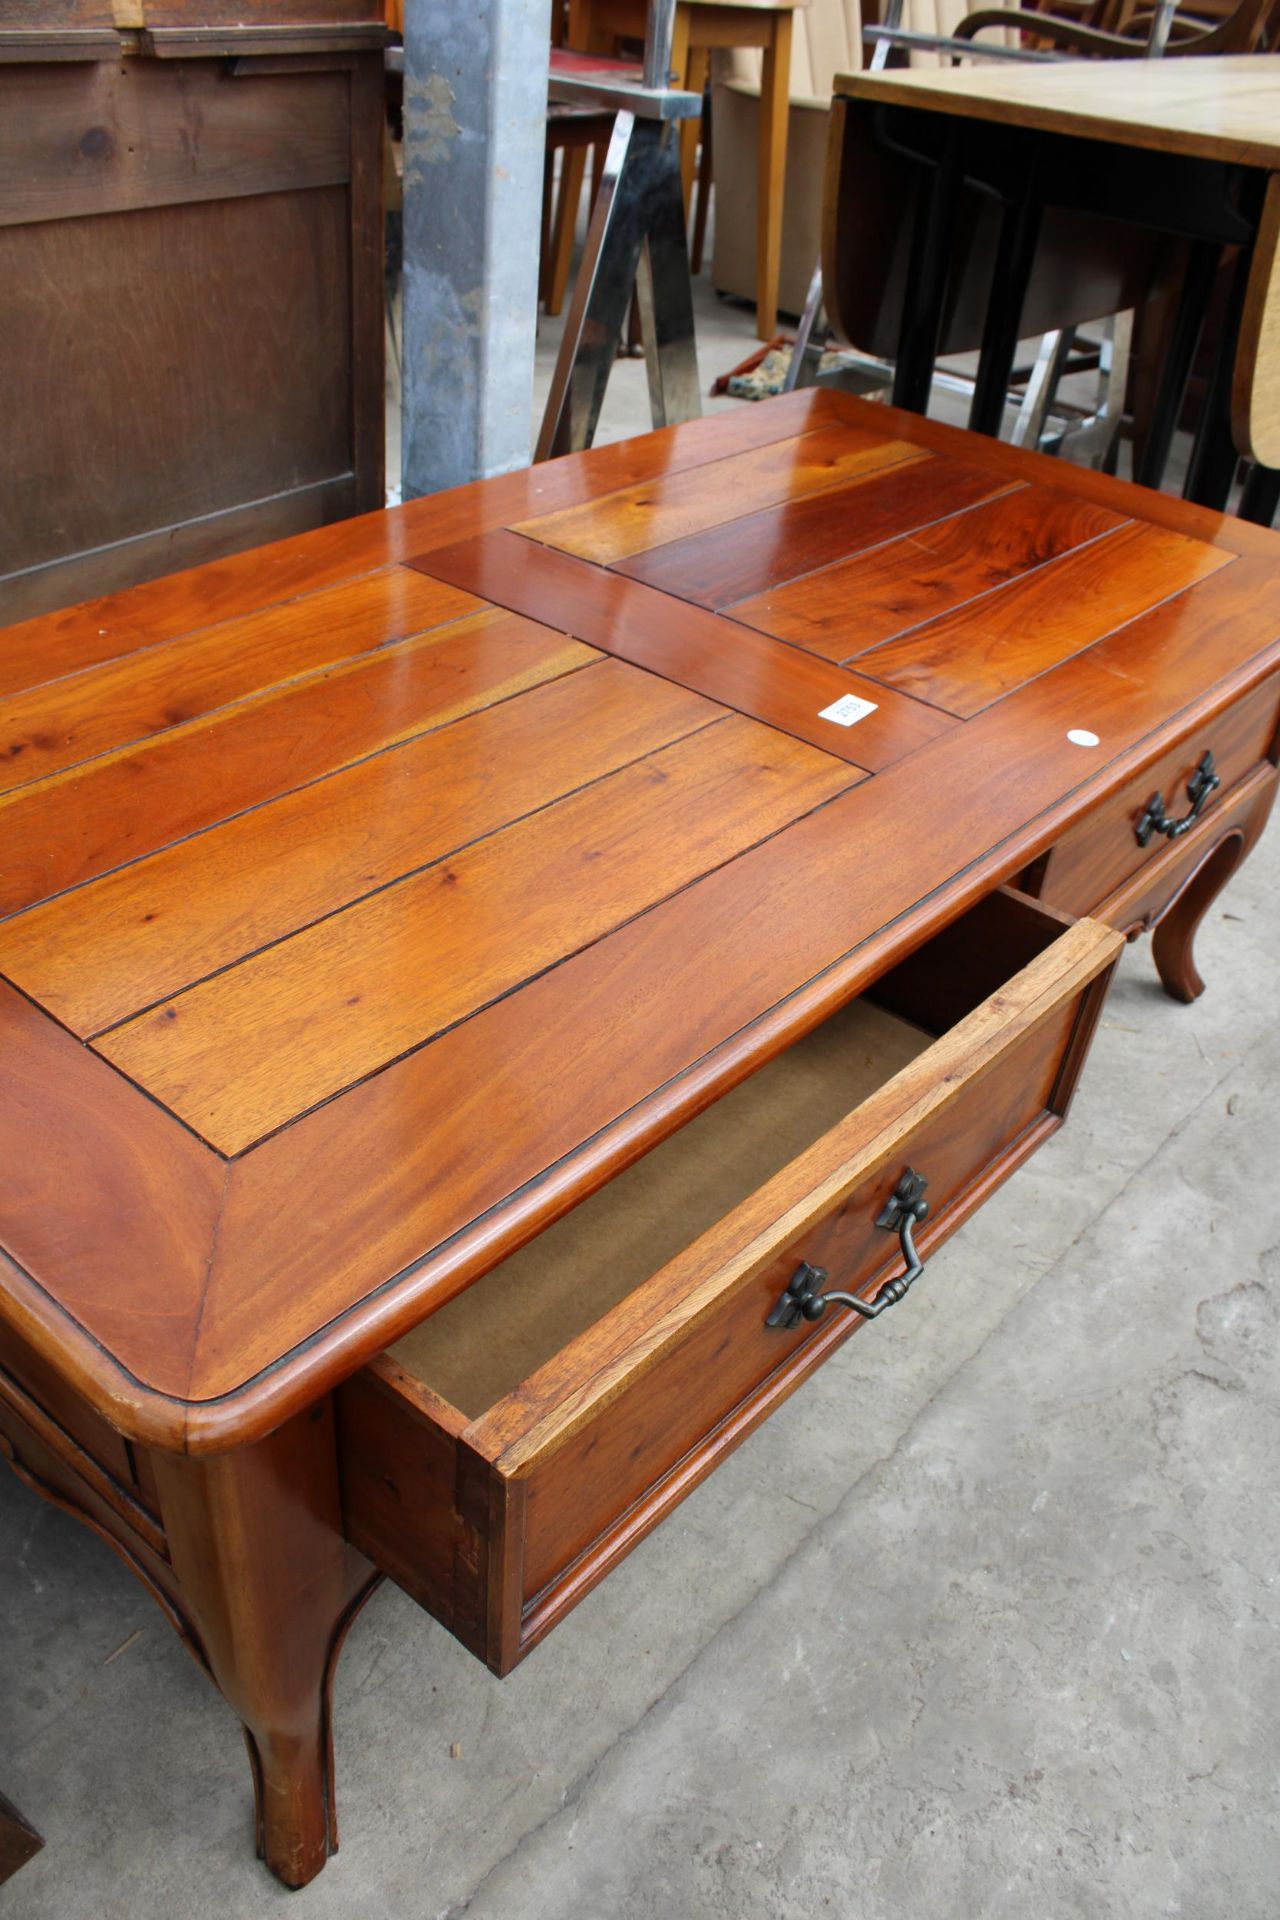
{"x": 1249, "y": 27}
{"x": 827, "y": 39}
{"x": 1104, "y": 29}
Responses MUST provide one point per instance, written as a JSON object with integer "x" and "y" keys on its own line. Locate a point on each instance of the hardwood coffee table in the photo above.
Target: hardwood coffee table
{"x": 476, "y": 979}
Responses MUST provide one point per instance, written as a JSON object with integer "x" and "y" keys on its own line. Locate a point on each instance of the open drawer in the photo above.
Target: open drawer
{"x": 503, "y": 1456}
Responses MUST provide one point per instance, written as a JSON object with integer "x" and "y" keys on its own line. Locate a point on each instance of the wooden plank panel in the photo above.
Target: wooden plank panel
{"x": 1119, "y": 496}
{"x": 103, "y": 570}
{"x": 117, "y": 135}
{"x": 242, "y": 583}
{"x": 187, "y": 401}
{"x": 73, "y": 637}
{"x": 68, "y": 721}
{"x": 605, "y": 1054}
{"x": 750, "y": 672}
{"x": 761, "y": 550}
{"x": 247, "y": 1051}
{"x": 611, "y": 526}
{"x": 967, "y": 659}
{"x": 96, "y": 956}
{"x": 843, "y": 610}
{"x": 123, "y": 806}
{"x": 106, "y": 1203}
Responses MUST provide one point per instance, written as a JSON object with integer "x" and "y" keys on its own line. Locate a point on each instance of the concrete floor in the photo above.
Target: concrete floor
{"x": 983, "y": 1623}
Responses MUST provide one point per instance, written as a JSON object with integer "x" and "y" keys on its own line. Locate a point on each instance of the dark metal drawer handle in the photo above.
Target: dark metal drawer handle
{"x": 804, "y": 1299}
{"x": 1202, "y": 783}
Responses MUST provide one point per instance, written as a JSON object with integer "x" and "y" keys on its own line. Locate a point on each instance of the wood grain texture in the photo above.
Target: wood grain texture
{"x": 37, "y": 1376}
{"x": 611, "y": 1047}
{"x": 968, "y": 658}
{"x": 94, "y": 1167}
{"x": 843, "y": 609}
{"x": 122, "y": 806}
{"x": 186, "y": 543}
{"x": 545, "y": 1411}
{"x": 479, "y": 1348}
{"x": 664, "y": 1377}
{"x": 87, "y": 1465}
{"x": 1118, "y": 496}
{"x": 153, "y": 928}
{"x": 761, "y": 550}
{"x": 222, "y": 402}
{"x": 743, "y": 670}
{"x": 120, "y": 138}
{"x": 67, "y": 721}
{"x": 638, "y": 518}
{"x": 1098, "y": 854}
{"x": 246, "y": 583}
{"x": 202, "y": 240}
{"x": 368, "y": 1164}
{"x": 1222, "y": 108}
{"x": 246, "y": 1052}
{"x": 271, "y": 1585}
{"x": 594, "y": 1468}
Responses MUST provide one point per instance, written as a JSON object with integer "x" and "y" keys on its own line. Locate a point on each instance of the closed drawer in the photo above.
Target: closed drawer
{"x": 101, "y": 1442}
{"x": 53, "y": 1460}
{"x": 503, "y": 1456}
{"x": 1103, "y": 852}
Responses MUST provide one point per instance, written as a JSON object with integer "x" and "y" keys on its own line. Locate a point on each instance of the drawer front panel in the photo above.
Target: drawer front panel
{"x": 49, "y": 1460}
{"x": 616, "y": 1459}
{"x": 500, "y": 1523}
{"x": 1143, "y": 899}
{"x": 1099, "y": 855}
{"x": 101, "y": 1442}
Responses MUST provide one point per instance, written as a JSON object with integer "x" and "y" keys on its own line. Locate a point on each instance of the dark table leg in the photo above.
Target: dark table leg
{"x": 1214, "y": 457}
{"x": 18, "y": 1840}
{"x": 1188, "y": 325}
{"x": 1015, "y": 255}
{"x": 928, "y": 270}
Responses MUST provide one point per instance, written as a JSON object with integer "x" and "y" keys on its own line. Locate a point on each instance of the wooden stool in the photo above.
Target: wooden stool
{"x": 572, "y": 132}
{"x": 701, "y": 25}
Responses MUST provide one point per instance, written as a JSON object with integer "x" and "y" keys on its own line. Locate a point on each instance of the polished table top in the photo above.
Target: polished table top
{"x": 1213, "y": 108}
{"x": 371, "y": 897}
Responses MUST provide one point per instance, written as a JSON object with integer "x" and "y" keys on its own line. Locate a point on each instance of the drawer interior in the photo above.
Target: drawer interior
{"x": 479, "y": 1347}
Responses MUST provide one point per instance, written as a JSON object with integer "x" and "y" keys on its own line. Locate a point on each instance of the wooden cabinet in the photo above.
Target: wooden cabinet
{"x": 191, "y": 331}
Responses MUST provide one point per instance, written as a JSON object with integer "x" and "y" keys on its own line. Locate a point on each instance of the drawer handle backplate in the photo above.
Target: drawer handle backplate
{"x": 1204, "y": 781}
{"x": 804, "y": 1298}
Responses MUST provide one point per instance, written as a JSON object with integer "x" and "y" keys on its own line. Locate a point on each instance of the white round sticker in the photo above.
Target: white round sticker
{"x": 1081, "y": 737}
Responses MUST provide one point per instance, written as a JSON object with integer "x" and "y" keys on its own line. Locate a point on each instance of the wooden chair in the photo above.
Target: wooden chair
{"x": 1251, "y": 26}
{"x": 700, "y": 27}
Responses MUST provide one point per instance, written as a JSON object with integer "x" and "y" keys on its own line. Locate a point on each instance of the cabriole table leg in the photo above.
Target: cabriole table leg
{"x": 256, "y": 1541}
{"x": 1173, "y": 940}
